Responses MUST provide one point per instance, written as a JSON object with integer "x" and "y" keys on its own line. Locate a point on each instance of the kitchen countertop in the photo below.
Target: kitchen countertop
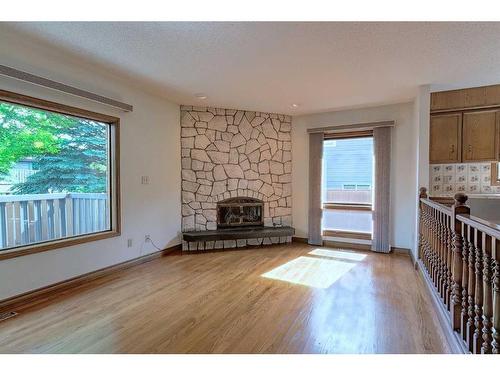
{"x": 484, "y": 196}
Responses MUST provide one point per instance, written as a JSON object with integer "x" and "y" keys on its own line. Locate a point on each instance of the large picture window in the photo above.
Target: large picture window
{"x": 58, "y": 175}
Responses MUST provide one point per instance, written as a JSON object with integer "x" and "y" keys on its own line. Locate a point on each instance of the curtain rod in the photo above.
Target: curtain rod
{"x": 48, "y": 83}
{"x": 343, "y": 128}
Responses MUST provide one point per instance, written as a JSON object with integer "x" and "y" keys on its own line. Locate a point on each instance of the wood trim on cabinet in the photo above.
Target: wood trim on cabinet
{"x": 494, "y": 181}
{"x": 469, "y": 109}
{"x": 115, "y": 200}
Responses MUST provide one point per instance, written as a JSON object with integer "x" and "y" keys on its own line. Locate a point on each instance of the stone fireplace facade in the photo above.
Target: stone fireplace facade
{"x": 228, "y": 153}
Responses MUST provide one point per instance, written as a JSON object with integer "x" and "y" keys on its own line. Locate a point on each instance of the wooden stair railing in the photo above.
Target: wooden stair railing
{"x": 460, "y": 254}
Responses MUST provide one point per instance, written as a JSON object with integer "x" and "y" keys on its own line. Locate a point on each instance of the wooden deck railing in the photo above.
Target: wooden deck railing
{"x": 33, "y": 218}
{"x": 461, "y": 255}
{"x": 349, "y": 196}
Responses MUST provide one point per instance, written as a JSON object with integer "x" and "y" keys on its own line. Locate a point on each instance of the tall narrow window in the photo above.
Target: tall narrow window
{"x": 58, "y": 175}
{"x": 347, "y": 189}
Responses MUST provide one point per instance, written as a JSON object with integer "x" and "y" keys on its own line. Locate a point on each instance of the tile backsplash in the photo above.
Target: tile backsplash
{"x": 468, "y": 178}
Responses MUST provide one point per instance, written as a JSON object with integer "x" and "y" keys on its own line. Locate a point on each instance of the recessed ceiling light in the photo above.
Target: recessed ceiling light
{"x": 201, "y": 96}
{"x": 295, "y": 105}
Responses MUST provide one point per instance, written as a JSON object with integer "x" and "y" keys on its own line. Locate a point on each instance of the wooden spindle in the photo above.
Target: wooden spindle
{"x": 449, "y": 257}
{"x": 439, "y": 254}
{"x": 444, "y": 253}
{"x": 458, "y": 208}
{"x": 478, "y": 296}
{"x": 429, "y": 246}
{"x": 426, "y": 238}
{"x": 487, "y": 295}
{"x": 471, "y": 289}
{"x": 438, "y": 269}
{"x": 434, "y": 246}
{"x": 466, "y": 229}
{"x": 495, "y": 344}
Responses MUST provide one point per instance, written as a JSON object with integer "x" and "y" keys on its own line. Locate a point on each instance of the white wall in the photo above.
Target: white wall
{"x": 421, "y": 134}
{"x": 149, "y": 146}
{"x": 403, "y": 165}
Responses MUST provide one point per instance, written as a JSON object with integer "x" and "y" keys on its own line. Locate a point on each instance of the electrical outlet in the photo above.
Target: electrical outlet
{"x": 129, "y": 242}
{"x": 147, "y": 238}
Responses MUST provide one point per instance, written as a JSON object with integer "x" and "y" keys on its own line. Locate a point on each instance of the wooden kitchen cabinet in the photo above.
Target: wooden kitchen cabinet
{"x": 445, "y": 138}
{"x": 480, "y": 136}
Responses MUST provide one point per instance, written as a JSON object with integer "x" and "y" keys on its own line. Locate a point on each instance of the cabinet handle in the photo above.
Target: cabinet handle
{"x": 452, "y": 149}
{"x": 470, "y": 149}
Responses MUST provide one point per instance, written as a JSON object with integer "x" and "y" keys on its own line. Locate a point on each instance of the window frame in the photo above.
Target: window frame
{"x": 341, "y": 206}
{"x": 114, "y": 174}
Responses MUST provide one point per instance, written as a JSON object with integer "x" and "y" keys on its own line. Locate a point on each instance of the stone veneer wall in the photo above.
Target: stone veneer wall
{"x": 232, "y": 153}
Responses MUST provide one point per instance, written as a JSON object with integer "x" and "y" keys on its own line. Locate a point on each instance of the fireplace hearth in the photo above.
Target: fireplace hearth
{"x": 239, "y": 218}
{"x": 240, "y": 212}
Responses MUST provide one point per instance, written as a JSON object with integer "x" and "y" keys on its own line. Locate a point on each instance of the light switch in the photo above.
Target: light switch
{"x": 145, "y": 180}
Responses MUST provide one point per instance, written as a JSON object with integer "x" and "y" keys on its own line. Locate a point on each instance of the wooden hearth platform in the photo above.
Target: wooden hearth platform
{"x": 237, "y": 233}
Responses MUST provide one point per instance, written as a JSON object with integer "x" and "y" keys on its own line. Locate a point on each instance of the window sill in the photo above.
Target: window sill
{"x": 347, "y": 234}
{"x": 347, "y": 206}
{"x": 58, "y": 244}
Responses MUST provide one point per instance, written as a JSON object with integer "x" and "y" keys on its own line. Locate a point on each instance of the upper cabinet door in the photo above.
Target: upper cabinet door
{"x": 480, "y": 136}
{"x": 445, "y": 136}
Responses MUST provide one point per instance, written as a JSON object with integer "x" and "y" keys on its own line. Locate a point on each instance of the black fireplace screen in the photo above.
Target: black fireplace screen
{"x": 240, "y": 211}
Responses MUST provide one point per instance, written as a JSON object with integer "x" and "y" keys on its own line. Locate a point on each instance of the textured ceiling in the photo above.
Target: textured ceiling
{"x": 269, "y": 66}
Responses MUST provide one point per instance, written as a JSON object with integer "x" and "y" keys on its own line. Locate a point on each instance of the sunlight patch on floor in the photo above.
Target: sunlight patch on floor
{"x": 311, "y": 271}
{"x": 338, "y": 254}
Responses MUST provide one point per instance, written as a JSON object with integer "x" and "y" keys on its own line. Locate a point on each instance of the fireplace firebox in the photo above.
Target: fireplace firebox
{"x": 240, "y": 211}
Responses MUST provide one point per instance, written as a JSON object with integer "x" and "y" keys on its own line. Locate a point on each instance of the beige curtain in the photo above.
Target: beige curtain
{"x": 381, "y": 204}
{"x": 315, "y": 170}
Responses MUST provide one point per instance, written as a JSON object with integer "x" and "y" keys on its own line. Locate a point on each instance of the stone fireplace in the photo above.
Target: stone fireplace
{"x": 236, "y": 172}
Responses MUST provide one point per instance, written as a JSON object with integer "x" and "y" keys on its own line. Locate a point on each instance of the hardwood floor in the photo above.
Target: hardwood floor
{"x": 276, "y": 299}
